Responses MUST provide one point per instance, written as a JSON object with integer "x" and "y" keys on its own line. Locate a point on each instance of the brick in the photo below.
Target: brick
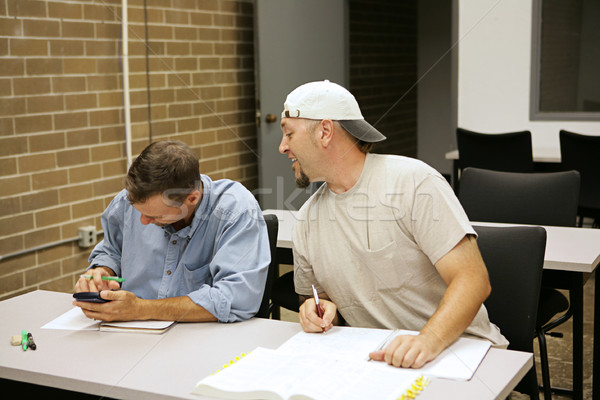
{"x": 35, "y": 123}
{"x": 178, "y": 48}
{"x": 109, "y": 66}
{"x": 114, "y": 168}
{"x": 105, "y": 117}
{"x": 5, "y": 88}
{"x": 73, "y": 193}
{"x": 85, "y": 137}
{"x": 45, "y": 104}
{"x": 108, "y": 186}
{"x": 79, "y": 101}
{"x": 86, "y": 208}
{"x": 45, "y": 180}
{"x": 107, "y": 152}
{"x": 11, "y": 282}
{"x": 28, "y": 86}
{"x": 41, "y": 28}
{"x": 72, "y": 157}
{"x": 52, "y": 216}
{"x": 8, "y": 166}
{"x": 67, "y": 48}
{"x": 101, "y": 48}
{"x": 77, "y": 29}
{"x": 39, "y": 200}
{"x": 86, "y": 173}
{"x": 79, "y": 66}
{"x": 103, "y": 82}
{"x": 68, "y": 84}
{"x": 43, "y": 273}
{"x": 14, "y": 185}
{"x": 176, "y": 17}
{"x": 12, "y": 225}
{"x": 200, "y": 18}
{"x": 55, "y": 253}
{"x": 36, "y": 162}
{"x": 26, "y": 8}
{"x": 44, "y": 66}
{"x": 70, "y": 120}
{"x": 65, "y": 10}
{"x": 45, "y": 142}
{"x": 11, "y": 106}
{"x": 100, "y": 12}
{"x": 10, "y": 27}
{"x": 11, "y": 66}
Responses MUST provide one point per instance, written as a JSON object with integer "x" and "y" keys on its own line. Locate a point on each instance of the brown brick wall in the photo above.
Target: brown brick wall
{"x": 383, "y": 69}
{"x": 62, "y": 148}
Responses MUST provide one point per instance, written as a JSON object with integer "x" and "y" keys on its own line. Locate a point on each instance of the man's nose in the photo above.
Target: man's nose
{"x": 283, "y": 147}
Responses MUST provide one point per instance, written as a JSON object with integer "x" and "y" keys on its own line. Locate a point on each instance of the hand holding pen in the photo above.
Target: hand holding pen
{"x": 98, "y": 279}
{"x": 317, "y": 315}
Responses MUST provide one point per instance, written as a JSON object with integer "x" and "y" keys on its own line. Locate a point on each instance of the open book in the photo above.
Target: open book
{"x": 273, "y": 375}
{"x": 335, "y": 365}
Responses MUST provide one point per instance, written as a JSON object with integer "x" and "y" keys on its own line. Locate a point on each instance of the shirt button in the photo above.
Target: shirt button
{"x": 168, "y": 272}
{"x": 174, "y": 242}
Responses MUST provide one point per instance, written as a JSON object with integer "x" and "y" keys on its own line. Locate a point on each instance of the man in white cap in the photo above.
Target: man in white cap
{"x": 384, "y": 241}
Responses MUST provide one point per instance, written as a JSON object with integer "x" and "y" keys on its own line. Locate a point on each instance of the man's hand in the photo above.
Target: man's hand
{"x": 409, "y": 351}
{"x": 309, "y": 319}
{"x": 96, "y": 284}
{"x": 123, "y": 306}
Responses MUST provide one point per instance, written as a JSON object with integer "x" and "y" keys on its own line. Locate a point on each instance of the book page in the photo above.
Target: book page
{"x": 459, "y": 361}
{"x": 74, "y": 320}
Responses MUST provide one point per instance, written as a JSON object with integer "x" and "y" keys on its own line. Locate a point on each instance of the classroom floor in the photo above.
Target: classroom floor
{"x": 559, "y": 349}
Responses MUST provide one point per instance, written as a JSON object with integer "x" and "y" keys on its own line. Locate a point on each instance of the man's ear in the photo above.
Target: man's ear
{"x": 327, "y": 132}
{"x": 193, "y": 198}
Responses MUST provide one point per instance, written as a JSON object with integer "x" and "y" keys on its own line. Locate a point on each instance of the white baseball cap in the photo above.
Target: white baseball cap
{"x": 328, "y": 100}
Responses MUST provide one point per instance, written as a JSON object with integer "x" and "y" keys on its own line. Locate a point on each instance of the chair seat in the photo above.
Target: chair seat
{"x": 283, "y": 294}
{"x": 552, "y": 302}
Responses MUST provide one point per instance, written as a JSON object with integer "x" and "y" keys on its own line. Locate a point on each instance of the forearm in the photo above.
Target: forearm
{"x": 455, "y": 311}
{"x": 181, "y": 309}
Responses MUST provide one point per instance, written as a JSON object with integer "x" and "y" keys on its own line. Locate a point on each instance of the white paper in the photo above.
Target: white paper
{"x": 459, "y": 361}
{"x": 74, "y": 320}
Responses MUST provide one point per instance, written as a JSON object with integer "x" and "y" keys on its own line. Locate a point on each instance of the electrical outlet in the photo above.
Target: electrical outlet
{"x": 87, "y": 236}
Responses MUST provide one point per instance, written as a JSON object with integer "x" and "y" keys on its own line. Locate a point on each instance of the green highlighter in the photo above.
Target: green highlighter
{"x": 24, "y": 340}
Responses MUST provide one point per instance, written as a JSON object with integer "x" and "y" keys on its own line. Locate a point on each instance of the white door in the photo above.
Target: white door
{"x": 297, "y": 41}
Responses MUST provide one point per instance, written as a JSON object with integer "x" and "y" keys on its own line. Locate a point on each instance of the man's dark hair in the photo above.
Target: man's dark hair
{"x": 168, "y": 167}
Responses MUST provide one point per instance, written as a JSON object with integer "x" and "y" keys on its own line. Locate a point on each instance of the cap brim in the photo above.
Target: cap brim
{"x": 361, "y": 129}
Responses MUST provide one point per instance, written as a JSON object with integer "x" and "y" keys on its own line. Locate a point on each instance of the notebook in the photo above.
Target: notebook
{"x": 157, "y": 327}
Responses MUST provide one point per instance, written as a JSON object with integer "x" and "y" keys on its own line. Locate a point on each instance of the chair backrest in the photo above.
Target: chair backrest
{"x": 499, "y": 152}
{"x": 582, "y": 153}
{"x": 514, "y": 257}
{"x": 520, "y": 198}
{"x": 272, "y": 229}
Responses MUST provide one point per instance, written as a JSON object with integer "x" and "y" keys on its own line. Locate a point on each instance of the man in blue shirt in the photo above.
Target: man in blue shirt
{"x": 189, "y": 248}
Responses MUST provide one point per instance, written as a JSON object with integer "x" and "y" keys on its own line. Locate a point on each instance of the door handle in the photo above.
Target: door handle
{"x": 270, "y": 118}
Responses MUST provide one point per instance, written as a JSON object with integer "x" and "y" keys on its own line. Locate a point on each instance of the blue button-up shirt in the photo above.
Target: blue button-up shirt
{"x": 219, "y": 261}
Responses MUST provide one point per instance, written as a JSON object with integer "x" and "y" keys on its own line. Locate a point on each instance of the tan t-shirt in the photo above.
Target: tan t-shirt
{"x": 373, "y": 248}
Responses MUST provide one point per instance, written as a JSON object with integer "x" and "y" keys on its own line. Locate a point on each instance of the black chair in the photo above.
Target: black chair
{"x": 283, "y": 294}
{"x": 272, "y": 229}
{"x": 527, "y": 198}
{"x": 514, "y": 258}
{"x": 510, "y": 152}
{"x": 582, "y": 153}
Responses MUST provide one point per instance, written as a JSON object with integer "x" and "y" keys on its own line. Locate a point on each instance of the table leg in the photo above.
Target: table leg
{"x": 577, "y": 304}
{"x": 596, "y": 359}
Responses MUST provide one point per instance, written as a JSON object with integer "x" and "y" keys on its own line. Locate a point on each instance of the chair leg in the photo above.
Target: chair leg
{"x": 544, "y": 364}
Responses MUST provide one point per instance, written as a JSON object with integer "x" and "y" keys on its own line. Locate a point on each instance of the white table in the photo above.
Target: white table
{"x": 571, "y": 251}
{"x": 167, "y": 366}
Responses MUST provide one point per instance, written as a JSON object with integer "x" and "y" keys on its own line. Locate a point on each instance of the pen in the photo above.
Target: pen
{"x": 319, "y": 311}
{"x": 106, "y": 278}
{"x": 385, "y": 341}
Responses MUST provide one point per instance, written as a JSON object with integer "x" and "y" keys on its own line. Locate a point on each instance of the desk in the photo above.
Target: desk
{"x": 574, "y": 253}
{"x": 146, "y": 366}
{"x": 542, "y": 156}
